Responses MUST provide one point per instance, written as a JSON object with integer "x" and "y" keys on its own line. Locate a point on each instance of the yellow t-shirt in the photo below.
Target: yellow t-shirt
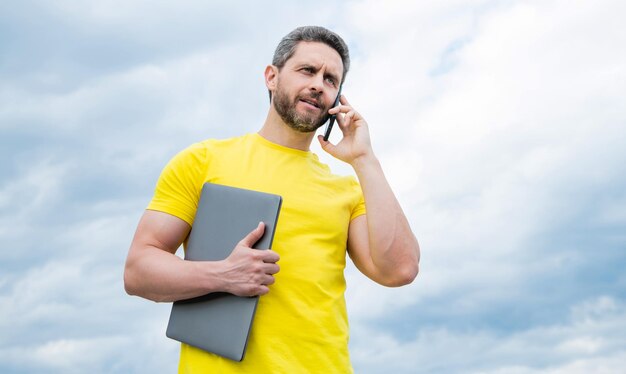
{"x": 301, "y": 325}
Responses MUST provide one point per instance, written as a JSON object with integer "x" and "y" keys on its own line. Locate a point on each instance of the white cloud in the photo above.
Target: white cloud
{"x": 499, "y": 124}
{"x": 26, "y": 194}
{"x": 591, "y": 339}
{"x": 506, "y": 146}
{"x": 96, "y": 354}
{"x": 510, "y": 144}
{"x": 71, "y": 313}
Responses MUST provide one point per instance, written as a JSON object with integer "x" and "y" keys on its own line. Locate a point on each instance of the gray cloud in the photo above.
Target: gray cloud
{"x": 499, "y": 124}
{"x": 591, "y": 333}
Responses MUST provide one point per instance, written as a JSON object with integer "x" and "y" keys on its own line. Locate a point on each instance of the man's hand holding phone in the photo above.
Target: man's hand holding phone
{"x": 355, "y": 144}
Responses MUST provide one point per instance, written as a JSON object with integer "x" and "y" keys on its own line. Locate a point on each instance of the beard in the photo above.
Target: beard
{"x": 301, "y": 122}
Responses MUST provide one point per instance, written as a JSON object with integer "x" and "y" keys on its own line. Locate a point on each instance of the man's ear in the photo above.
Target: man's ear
{"x": 271, "y": 75}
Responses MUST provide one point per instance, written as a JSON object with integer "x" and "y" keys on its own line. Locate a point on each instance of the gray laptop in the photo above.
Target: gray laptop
{"x": 221, "y": 322}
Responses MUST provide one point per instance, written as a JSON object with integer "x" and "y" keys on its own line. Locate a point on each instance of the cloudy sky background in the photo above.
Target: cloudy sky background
{"x": 501, "y": 126}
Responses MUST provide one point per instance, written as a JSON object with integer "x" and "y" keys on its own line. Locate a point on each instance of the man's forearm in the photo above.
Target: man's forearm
{"x": 161, "y": 276}
{"x": 393, "y": 247}
{"x": 154, "y": 272}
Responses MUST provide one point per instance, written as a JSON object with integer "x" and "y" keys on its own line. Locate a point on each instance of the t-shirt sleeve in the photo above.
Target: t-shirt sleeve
{"x": 178, "y": 189}
{"x": 359, "y": 208}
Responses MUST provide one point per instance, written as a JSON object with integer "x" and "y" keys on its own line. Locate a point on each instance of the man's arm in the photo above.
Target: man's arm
{"x": 154, "y": 272}
{"x": 380, "y": 243}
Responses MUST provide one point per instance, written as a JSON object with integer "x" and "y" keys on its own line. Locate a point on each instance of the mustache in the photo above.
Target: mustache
{"x": 313, "y": 96}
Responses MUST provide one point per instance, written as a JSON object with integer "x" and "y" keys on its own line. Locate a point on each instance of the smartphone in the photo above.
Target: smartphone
{"x": 333, "y": 118}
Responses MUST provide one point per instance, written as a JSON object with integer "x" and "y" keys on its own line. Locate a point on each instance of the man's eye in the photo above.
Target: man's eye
{"x": 307, "y": 70}
{"x": 331, "y": 81}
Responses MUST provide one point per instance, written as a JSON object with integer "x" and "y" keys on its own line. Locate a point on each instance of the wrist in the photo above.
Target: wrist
{"x": 211, "y": 279}
{"x": 364, "y": 161}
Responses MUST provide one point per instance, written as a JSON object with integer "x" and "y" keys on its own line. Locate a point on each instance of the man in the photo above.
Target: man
{"x": 301, "y": 323}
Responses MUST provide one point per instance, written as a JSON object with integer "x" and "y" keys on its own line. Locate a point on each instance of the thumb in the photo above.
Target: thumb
{"x": 253, "y": 236}
{"x": 326, "y": 145}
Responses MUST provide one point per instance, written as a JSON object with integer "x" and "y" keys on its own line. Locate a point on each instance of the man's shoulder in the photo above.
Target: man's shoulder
{"x": 213, "y": 143}
{"x": 201, "y": 152}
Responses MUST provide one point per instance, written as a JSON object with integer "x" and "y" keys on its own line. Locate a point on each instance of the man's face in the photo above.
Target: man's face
{"x": 307, "y": 85}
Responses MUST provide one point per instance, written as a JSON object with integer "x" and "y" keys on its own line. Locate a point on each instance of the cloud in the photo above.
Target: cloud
{"x": 589, "y": 339}
{"x": 93, "y": 102}
{"x": 499, "y": 125}
{"x": 70, "y": 313}
{"x": 101, "y": 354}
{"x": 507, "y": 157}
{"x": 512, "y": 151}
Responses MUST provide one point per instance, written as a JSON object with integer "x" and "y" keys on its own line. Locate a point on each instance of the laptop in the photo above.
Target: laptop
{"x": 220, "y": 322}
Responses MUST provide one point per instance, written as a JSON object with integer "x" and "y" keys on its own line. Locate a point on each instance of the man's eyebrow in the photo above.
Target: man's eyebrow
{"x": 307, "y": 65}
{"x": 335, "y": 77}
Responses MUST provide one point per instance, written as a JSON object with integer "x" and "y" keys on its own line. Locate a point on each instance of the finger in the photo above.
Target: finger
{"x": 340, "y": 109}
{"x": 271, "y": 269}
{"x": 253, "y": 236}
{"x": 261, "y": 290}
{"x": 326, "y": 145}
{"x": 340, "y": 119}
{"x": 343, "y": 100}
{"x": 269, "y": 256}
{"x": 268, "y": 280}
{"x": 347, "y": 120}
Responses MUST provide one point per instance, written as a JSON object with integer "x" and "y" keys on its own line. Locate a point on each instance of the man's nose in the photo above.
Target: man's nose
{"x": 317, "y": 83}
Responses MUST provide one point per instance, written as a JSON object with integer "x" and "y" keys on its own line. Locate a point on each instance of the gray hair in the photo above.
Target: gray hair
{"x": 287, "y": 46}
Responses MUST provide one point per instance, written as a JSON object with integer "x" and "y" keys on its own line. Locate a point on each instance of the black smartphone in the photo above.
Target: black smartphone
{"x": 333, "y": 118}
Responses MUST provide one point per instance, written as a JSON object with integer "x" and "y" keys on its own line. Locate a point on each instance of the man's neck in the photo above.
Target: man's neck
{"x": 277, "y": 131}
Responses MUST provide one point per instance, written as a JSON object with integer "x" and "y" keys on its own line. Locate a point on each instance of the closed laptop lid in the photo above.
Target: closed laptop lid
{"x": 220, "y": 322}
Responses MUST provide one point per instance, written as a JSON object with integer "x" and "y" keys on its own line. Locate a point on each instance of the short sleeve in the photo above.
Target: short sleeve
{"x": 359, "y": 208}
{"x": 178, "y": 189}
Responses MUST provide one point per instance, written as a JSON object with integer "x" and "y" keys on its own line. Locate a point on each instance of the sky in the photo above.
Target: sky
{"x": 500, "y": 125}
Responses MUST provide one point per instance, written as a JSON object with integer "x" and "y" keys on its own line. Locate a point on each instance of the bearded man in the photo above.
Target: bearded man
{"x": 301, "y": 324}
